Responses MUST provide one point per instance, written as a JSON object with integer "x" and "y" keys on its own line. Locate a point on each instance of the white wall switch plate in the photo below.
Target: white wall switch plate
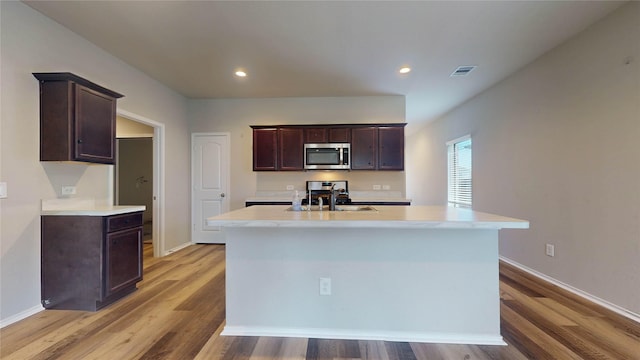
{"x": 386, "y": 187}
{"x": 289, "y": 187}
{"x": 376, "y": 187}
{"x": 550, "y": 250}
{"x": 3, "y": 190}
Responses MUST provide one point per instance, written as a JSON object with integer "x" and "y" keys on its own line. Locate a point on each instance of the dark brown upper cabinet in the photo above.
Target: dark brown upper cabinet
{"x": 390, "y": 148}
{"x": 315, "y": 135}
{"x": 265, "y": 149}
{"x": 290, "y": 149}
{"x": 377, "y": 147}
{"x": 77, "y": 119}
{"x": 340, "y": 135}
{"x": 364, "y": 148}
{"x": 373, "y": 146}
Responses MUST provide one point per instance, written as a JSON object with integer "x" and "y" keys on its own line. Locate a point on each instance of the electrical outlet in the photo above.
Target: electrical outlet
{"x": 325, "y": 286}
{"x": 550, "y": 250}
{"x": 386, "y": 187}
{"x": 289, "y": 187}
{"x": 376, "y": 187}
{"x": 3, "y": 190}
{"x": 68, "y": 190}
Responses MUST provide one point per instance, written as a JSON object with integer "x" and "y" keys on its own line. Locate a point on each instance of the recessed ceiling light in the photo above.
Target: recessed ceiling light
{"x": 404, "y": 70}
{"x": 241, "y": 73}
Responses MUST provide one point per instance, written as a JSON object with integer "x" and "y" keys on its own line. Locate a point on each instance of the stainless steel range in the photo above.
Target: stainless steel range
{"x": 323, "y": 189}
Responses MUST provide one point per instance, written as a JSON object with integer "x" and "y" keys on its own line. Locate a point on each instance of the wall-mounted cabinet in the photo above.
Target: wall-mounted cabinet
{"x": 373, "y": 146}
{"x": 364, "y": 148}
{"x": 377, "y": 148}
{"x": 390, "y": 148}
{"x": 77, "y": 119}
{"x": 290, "y": 149}
{"x": 265, "y": 149}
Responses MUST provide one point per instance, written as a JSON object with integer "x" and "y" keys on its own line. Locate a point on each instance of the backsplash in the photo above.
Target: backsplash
{"x": 360, "y": 181}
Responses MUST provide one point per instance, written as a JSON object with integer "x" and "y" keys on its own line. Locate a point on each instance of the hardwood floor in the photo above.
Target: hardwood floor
{"x": 178, "y": 313}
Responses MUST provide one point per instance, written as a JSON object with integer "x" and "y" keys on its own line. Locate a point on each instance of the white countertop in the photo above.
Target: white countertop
{"x": 96, "y": 211}
{"x": 384, "y": 217}
{"x": 85, "y": 207}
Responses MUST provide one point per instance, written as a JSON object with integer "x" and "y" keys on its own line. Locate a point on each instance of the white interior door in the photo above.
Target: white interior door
{"x": 210, "y": 184}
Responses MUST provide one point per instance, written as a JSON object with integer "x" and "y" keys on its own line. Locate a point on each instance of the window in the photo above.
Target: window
{"x": 459, "y": 171}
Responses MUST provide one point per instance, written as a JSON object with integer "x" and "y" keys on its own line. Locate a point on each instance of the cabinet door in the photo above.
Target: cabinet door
{"x": 265, "y": 149}
{"x": 95, "y": 127}
{"x": 339, "y": 135}
{"x": 315, "y": 135}
{"x": 123, "y": 259}
{"x": 364, "y": 148}
{"x": 291, "y": 148}
{"x": 391, "y": 148}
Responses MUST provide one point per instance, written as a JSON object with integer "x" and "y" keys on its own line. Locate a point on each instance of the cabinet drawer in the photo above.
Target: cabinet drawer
{"x": 125, "y": 221}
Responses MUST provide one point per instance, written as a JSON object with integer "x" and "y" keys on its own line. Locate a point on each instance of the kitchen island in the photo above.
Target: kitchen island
{"x": 398, "y": 273}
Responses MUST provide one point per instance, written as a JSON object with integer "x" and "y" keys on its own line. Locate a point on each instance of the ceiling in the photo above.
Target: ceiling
{"x": 328, "y": 48}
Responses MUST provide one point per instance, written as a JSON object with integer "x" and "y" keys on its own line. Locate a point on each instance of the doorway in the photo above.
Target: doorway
{"x": 134, "y": 171}
{"x": 140, "y": 181}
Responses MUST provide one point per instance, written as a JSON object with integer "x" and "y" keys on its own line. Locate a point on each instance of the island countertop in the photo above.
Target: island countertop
{"x": 443, "y": 217}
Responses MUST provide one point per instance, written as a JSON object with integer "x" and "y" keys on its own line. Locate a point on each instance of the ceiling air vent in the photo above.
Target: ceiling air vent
{"x": 463, "y": 70}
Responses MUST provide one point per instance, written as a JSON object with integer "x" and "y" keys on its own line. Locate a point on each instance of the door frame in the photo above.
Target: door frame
{"x": 228, "y": 173}
{"x": 158, "y": 179}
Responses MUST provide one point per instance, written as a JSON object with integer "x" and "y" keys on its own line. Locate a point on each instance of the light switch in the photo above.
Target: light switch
{"x": 3, "y": 190}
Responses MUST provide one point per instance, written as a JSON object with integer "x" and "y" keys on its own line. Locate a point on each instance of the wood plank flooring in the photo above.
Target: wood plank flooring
{"x": 178, "y": 313}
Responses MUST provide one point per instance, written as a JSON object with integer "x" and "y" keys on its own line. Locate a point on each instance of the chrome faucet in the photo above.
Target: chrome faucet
{"x": 332, "y": 201}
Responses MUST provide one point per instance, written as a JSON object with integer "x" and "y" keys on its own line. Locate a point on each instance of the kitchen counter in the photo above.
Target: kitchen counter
{"x": 401, "y": 273}
{"x": 381, "y": 217}
{"x": 85, "y": 207}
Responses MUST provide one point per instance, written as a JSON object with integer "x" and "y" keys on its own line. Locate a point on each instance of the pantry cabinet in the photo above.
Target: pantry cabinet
{"x": 77, "y": 119}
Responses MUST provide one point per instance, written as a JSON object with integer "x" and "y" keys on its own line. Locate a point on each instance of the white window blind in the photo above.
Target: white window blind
{"x": 459, "y": 171}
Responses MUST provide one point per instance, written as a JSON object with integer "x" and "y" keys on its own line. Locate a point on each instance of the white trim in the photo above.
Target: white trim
{"x": 135, "y": 136}
{"x": 604, "y": 303}
{"x": 178, "y": 248}
{"x": 353, "y": 334}
{"x": 158, "y": 179}
{"x": 21, "y": 316}
{"x": 460, "y": 139}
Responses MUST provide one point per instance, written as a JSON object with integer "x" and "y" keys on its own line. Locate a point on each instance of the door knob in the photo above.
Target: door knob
{"x": 222, "y": 195}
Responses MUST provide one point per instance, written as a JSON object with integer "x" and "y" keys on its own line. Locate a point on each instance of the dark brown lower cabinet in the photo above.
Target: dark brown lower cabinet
{"x": 89, "y": 262}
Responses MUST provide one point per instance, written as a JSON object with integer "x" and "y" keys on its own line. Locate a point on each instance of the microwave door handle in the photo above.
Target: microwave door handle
{"x": 341, "y": 156}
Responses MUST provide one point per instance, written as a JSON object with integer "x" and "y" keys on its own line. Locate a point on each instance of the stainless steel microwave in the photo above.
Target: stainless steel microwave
{"x": 327, "y": 156}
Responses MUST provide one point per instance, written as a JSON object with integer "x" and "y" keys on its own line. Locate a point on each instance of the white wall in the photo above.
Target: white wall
{"x": 33, "y": 43}
{"x": 236, "y": 115}
{"x": 557, "y": 144}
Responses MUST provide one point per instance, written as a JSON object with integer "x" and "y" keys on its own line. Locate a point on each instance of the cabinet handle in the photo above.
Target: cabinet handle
{"x": 79, "y": 141}
{"x": 222, "y": 195}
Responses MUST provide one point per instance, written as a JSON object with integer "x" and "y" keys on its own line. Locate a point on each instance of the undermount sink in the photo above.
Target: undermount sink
{"x": 338, "y": 208}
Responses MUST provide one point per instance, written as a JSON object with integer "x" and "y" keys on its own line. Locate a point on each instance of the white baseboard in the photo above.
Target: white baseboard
{"x": 342, "y": 334}
{"x": 21, "y": 315}
{"x": 177, "y": 248}
{"x": 604, "y": 303}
